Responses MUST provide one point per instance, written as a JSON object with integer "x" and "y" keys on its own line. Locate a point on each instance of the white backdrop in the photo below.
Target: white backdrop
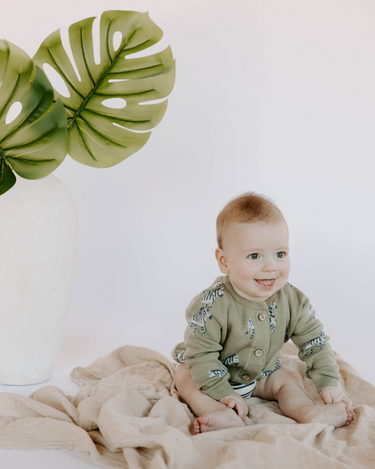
{"x": 272, "y": 96}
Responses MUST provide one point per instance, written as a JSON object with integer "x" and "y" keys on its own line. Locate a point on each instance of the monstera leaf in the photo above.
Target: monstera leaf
{"x": 99, "y": 135}
{"x": 33, "y": 143}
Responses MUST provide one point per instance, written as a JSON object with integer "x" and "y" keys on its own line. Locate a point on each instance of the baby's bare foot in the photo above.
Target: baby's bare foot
{"x": 333, "y": 414}
{"x": 217, "y": 420}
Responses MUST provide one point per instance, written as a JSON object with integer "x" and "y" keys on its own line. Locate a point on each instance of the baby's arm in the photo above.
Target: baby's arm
{"x": 314, "y": 348}
{"x": 204, "y": 339}
{"x": 236, "y": 402}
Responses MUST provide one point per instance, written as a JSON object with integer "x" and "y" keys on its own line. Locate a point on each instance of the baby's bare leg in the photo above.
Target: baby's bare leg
{"x": 212, "y": 415}
{"x": 286, "y": 386}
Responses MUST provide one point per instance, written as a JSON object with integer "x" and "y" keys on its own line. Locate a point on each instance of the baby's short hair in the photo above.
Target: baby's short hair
{"x": 245, "y": 208}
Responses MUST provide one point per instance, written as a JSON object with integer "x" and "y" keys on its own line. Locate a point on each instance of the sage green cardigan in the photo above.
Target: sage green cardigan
{"x": 232, "y": 339}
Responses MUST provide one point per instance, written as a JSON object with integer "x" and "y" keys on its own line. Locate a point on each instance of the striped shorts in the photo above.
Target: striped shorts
{"x": 244, "y": 390}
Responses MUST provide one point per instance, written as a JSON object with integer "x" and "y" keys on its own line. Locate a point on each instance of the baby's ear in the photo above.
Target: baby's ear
{"x": 221, "y": 260}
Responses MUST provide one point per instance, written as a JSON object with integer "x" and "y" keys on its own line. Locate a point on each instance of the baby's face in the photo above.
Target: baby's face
{"x": 255, "y": 256}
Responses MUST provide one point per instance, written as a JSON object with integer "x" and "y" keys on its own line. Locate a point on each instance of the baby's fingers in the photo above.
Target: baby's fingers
{"x": 241, "y": 410}
{"x": 326, "y": 398}
{"x": 236, "y": 406}
{"x": 228, "y": 402}
{"x": 348, "y": 402}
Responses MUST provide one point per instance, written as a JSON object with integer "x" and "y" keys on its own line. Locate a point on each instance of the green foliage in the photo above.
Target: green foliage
{"x": 7, "y": 177}
{"x": 100, "y": 136}
{"x": 34, "y": 143}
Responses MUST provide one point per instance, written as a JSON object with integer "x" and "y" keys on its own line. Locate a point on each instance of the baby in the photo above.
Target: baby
{"x": 238, "y": 326}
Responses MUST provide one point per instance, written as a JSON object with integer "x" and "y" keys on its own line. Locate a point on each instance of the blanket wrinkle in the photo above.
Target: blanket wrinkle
{"x": 89, "y": 409}
{"x": 98, "y": 438}
{"x": 128, "y": 415}
{"x": 30, "y": 409}
{"x": 53, "y": 397}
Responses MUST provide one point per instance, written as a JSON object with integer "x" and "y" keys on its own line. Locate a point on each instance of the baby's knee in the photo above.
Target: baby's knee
{"x": 180, "y": 373}
{"x": 182, "y": 377}
{"x": 287, "y": 377}
{"x": 292, "y": 375}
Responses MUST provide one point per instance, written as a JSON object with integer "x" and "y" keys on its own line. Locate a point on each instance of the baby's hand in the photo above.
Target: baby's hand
{"x": 236, "y": 402}
{"x": 333, "y": 394}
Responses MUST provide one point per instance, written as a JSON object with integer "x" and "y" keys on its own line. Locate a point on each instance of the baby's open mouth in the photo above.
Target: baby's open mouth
{"x": 266, "y": 282}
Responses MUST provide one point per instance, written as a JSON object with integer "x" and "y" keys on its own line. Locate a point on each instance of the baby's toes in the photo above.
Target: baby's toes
{"x": 196, "y": 427}
{"x": 349, "y": 418}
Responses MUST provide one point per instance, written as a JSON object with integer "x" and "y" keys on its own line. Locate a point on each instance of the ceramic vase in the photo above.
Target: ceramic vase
{"x": 38, "y": 250}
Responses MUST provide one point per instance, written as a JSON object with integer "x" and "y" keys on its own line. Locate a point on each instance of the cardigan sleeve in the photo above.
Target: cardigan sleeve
{"x": 206, "y": 331}
{"x": 313, "y": 345}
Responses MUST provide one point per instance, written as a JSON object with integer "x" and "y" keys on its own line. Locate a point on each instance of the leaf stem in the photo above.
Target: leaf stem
{"x": 101, "y": 79}
{"x": 2, "y": 154}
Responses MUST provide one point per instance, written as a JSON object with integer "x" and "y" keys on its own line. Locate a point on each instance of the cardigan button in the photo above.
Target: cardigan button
{"x": 262, "y": 317}
{"x": 258, "y": 353}
{"x": 245, "y": 377}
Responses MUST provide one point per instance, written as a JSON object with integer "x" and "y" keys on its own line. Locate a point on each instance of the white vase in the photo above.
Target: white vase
{"x": 38, "y": 250}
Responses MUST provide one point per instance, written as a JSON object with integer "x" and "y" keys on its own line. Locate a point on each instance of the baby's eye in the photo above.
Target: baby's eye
{"x": 280, "y": 254}
{"x": 254, "y": 256}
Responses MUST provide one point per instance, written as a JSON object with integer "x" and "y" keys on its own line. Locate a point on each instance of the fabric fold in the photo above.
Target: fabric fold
{"x": 127, "y": 414}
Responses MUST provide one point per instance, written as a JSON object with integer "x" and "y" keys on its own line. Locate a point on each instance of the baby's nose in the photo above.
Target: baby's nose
{"x": 268, "y": 266}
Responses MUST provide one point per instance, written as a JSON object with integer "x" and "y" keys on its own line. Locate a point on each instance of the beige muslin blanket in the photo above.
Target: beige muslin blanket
{"x": 128, "y": 415}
